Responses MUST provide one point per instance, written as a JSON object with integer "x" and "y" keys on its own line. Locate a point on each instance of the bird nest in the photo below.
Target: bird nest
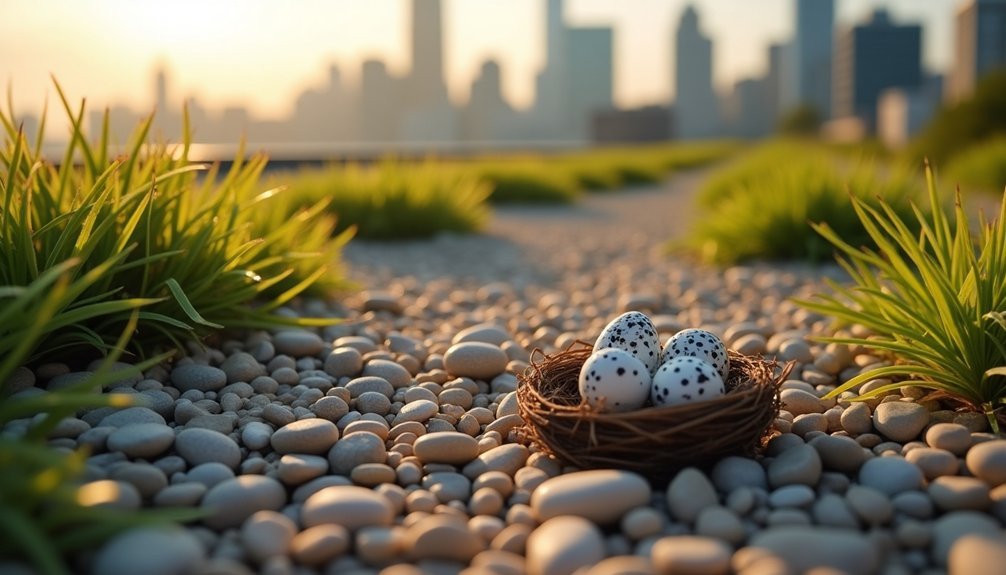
{"x": 652, "y": 441}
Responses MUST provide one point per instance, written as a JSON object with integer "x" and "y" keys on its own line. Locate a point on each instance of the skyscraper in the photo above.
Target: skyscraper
{"x": 429, "y": 114}
{"x": 979, "y": 45}
{"x": 808, "y": 81}
{"x": 488, "y": 115}
{"x": 553, "y": 117}
{"x": 695, "y": 113}
{"x": 589, "y": 76}
{"x": 870, "y": 58}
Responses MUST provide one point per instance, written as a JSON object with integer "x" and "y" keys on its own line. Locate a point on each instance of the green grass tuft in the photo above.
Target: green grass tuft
{"x": 981, "y": 167}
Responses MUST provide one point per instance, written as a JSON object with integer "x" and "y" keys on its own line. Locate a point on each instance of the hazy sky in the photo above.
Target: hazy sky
{"x": 262, "y": 53}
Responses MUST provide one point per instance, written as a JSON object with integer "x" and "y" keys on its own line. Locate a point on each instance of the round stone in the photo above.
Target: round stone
{"x": 900, "y": 421}
{"x": 952, "y": 437}
{"x": 141, "y": 440}
{"x": 163, "y": 550}
{"x": 933, "y": 462}
{"x": 720, "y": 523}
{"x": 953, "y": 493}
{"x": 420, "y": 410}
{"x": 267, "y": 534}
{"x": 797, "y": 465}
{"x": 475, "y": 359}
{"x": 241, "y": 366}
{"x": 131, "y": 416}
{"x": 839, "y": 453}
{"x": 350, "y": 506}
{"x": 791, "y": 496}
{"x": 198, "y": 446}
{"x": 507, "y": 458}
{"x": 232, "y": 501}
{"x": 320, "y": 544}
{"x": 390, "y": 371}
{"x": 562, "y": 545}
{"x": 297, "y": 343}
{"x": 312, "y": 436}
{"x": 955, "y": 525}
{"x": 689, "y": 493}
{"x": 987, "y": 461}
{"x": 343, "y": 362}
{"x": 691, "y": 555}
{"x": 601, "y": 495}
{"x": 484, "y": 332}
{"x": 804, "y": 548}
{"x": 443, "y": 537}
{"x": 872, "y": 506}
{"x": 255, "y": 435}
{"x": 977, "y": 555}
{"x": 799, "y": 401}
{"x": 446, "y": 447}
{"x": 856, "y": 419}
{"x": 890, "y": 475}
{"x": 198, "y": 377}
{"x": 355, "y": 449}
{"x": 733, "y": 472}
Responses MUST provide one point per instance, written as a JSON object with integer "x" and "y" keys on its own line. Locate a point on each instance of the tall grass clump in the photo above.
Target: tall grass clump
{"x": 394, "y": 200}
{"x": 980, "y": 167}
{"x": 526, "y": 180}
{"x": 146, "y": 230}
{"x": 763, "y": 206}
{"x": 934, "y": 296}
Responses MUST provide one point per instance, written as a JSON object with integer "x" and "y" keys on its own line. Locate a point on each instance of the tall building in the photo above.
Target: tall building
{"x": 552, "y": 116}
{"x": 429, "y": 115}
{"x": 695, "y": 113}
{"x": 808, "y": 79}
{"x": 979, "y": 45}
{"x": 870, "y": 58}
{"x": 747, "y": 109}
{"x": 773, "y": 83}
{"x": 379, "y": 103}
{"x": 487, "y": 116}
{"x": 589, "y": 76}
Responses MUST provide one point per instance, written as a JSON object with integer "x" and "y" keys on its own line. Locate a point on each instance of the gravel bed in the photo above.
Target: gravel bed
{"x": 390, "y": 442}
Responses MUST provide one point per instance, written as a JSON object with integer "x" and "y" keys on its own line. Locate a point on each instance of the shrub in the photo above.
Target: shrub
{"x": 934, "y": 300}
{"x": 394, "y": 200}
{"x": 981, "y": 167}
{"x": 527, "y": 180}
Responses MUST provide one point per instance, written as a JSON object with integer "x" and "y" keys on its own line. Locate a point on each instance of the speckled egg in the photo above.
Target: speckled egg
{"x": 685, "y": 380}
{"x": 698, "y": 343}
{"x": 614, "y": 380}
{"x": 632, "y": 332}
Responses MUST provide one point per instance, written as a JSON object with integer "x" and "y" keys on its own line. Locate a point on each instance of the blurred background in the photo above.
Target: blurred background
{"x": 316, "y": 78}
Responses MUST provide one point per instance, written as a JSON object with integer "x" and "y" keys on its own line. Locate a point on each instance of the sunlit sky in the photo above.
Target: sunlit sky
{"x": 262, "y": 53}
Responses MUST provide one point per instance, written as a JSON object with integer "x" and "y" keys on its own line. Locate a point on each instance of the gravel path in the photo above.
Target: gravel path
{"x": 390, "y": 443}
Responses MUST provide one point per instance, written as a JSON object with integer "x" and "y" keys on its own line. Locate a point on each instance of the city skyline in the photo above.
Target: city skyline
{"x": 518, "y": 27}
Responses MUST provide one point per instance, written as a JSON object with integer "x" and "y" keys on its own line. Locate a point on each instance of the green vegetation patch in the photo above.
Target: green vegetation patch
{"x": 981, "y": 167}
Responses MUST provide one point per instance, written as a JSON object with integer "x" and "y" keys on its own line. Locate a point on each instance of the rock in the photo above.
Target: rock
{"x": 444, "y": 537}
{"x": 448, "y": 486}
{"x": 203, "y": 445}
{"x": 507, "y": 458}
{"x": 952, "y": 437}
{"x": 319, "y": 544}
{"x": 733, "y": 472}
{"x": 720, "y": 523}
{"x": 953, "y": 493}
{"x": 890, "y": 475}
{"x": 343, "y": 362}
{"x": 562, "y": 545}
{"x": 799, "y": 402}
{"x": 241, "y": 366}
{"x": 839, "y": 453}
{"x": 420, "y": 410}
{"x": 856, "y": 418}
{"x": 232, "y": 501}
{"x": 297, "y": 343}
{"x": 987, "y": 461}
{"x": 109, "y": 493}
{"x": 798, "y": 465}
{"x": 163, "y": 550}
{"x": 130, "y": 416}
{"x": 210, "y": 473}
{"x": 791, "y": 496}
{"x": 900, "y": 421}
{"x": 355, "y": 449}
{"x": 476, "y": 360}
{"x": 600, "y": 495}
{"x": 691, "y": 555}
{"x": 390, "y": 371}
{"x": 949, "y": 528}
{"x": 381, "y": 301}
{"x": 141, "y": 440}
{"x": 255, "y": 435}
{"x": 933, "y": 462}
{"x": 199, "y": 377}
{"x": 295, "y": 469}
{"x": 221, "y": 422}
{"x": 805, "y": 548}
{"x": 623, "y": 565}
{"x": 267, "y": 534}
{"x": 181, "y": 495}
{"x": 370, "y": 383}
{"x": 872, "y": 506}
{"x": 977, "y": 555}
{"x": 311, "y": 436}
{"x": 446, "y": 447}
{"x": 349, "y": 506}
{"x": 688, "y": 493}
{"x": 832, "y": 510}
{"x": 484, "y": 332}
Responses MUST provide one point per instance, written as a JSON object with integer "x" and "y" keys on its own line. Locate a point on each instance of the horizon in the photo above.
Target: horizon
{"x": 226, "y": 65}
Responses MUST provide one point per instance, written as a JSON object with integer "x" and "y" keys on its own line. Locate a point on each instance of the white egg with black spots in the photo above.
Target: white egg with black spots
{"x": 632, "y": 332}
{"x": 614, "y": 380}
{"x": 698, "y": 343}
{"x": 684, "y": 380}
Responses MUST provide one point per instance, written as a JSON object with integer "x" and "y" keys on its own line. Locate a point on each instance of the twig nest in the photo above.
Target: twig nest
{"x": 654, "y": 440}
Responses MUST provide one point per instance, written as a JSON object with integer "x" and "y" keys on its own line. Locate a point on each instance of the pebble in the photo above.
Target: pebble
{"x": 109, "y": 493}
{"x": 832, "y": 510}
{"x": 267, "y": 534}
{"x": 203, "y": 445}
{"x": 890, "y": 475}
{"x": 444, "y": 537}
{"x": 562, "y": 545}
{"x": 210, "y": 473}
{"x": 507, "y": 458}
{"x": 733, "y": 472}
{"x": 296, "y": 469}
{"x": 343, "y": 362}
{"x": 933, "y": 462}
{"x": 141, "y": 440}
{"x": 951, "y": 527}
{"x": 163, "y": 550}
{"x": 839, "y": 453}
{"x": 720, "y": 523}
{"x": 194, "y": 376}
{"x": 320, "y": 544}
{"x": 977, "y": 555}
{"x": 484, "y": 332}
{"x": 255, "y": 435}
{"x": 241, "y": 366}
{"x": 689, "y": 493}
{"x": 805, "y": 548}
{"x": 355, "y": 449}
{"x": 799, "y": 464}
{"x": 311, "y": 436}
{"x": 421, "y": 411}
{"x": 872, "y": 506}
{"x": 987, "y": 461}
{"x": 297, "y": 343}
{"x": 952, "y": 493}
{"x": 951, "y": 437}
{"x": 231, "y": 501}
{"x": 393, "y": 373}
{"x": 475, "y": 359}
{"x": 130, "y": 416}
{"x": 791, "y": 496}
{"x": 446, "y": 447}
{"x": 900, "y": 421}
{"x": 180, "y": 495}
{"x": 601, "y": 495}
{"x": 856, "y": 419}
{"x": 799, "y": 402}
{"x": 691, "y": 555}
{"x": 350, "y": 506}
